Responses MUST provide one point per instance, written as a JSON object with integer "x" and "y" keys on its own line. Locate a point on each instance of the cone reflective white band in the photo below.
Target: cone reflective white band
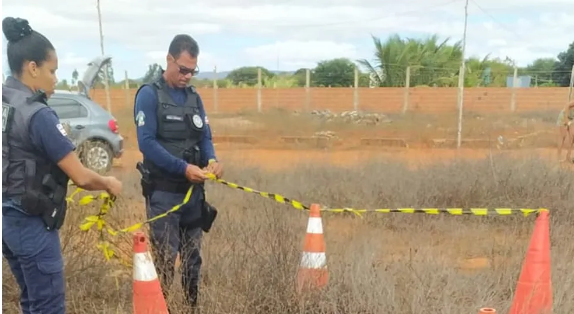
{"x": 315, "y": 225}
{"x": 143, "y": 267}
{"x": 313, "y": 260}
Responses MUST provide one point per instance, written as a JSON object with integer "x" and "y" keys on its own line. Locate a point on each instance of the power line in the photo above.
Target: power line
{"x": 366, "y": 20}
{"x": 496, "y": 21}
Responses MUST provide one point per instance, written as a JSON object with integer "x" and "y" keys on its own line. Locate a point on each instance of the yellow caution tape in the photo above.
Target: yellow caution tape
{"x": 276, "y": 197}
{"x": 431, "y": 211}
{"x": 96, "y": 219}
{"x": 436, "y": 211}
{"x": 104, "y": 228}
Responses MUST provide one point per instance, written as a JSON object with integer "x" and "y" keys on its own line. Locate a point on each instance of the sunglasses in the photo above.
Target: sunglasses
{"x": 183, "y": 70}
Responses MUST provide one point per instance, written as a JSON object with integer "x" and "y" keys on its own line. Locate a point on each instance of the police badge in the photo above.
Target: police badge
{"x": 197, "y": 121}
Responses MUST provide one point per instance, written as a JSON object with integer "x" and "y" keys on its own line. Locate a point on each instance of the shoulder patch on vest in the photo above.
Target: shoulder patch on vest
{"x": 197, "y": 121}
{"x": 140, "y": 118}
{"x": 5, "y": 116}
{"x": 61, "y": 129}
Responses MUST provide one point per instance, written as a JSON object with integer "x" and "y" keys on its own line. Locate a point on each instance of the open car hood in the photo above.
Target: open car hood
{"x": 94, "y": 67}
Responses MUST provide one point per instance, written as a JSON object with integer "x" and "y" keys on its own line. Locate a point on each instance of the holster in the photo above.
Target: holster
{"x": 147, "y": 185}
{"x": 208, "y": 215}
{"x": 54, "y": 218}
{"x": 147, "y": 188}
{"x": 49, "y": 204}
{"x": 192, "y": 155}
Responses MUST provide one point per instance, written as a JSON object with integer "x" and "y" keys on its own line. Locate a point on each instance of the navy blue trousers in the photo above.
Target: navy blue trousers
{"x": 35, "y": 258}
{"x": 177, "y": 233}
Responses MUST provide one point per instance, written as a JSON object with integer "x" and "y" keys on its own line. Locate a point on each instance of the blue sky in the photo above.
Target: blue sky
{"x": 288, "y": 34}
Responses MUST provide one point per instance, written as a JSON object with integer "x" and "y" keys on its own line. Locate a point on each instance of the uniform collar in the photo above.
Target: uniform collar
{"x": 163, "y": 83}
{"x": 14, "y": 83}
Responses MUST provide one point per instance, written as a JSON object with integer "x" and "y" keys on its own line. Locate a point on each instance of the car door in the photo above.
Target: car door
{"x": 74, "y": 114}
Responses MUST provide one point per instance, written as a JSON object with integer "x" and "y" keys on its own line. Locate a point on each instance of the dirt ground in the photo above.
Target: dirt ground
{"x": 260, "y": 139}
{"x": 283, "y": 159}
{"x": 344, "y": 131}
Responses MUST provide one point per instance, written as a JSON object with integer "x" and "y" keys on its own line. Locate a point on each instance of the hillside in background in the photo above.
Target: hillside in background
{"x": 210, "y": 75}
{"x": 222, "y": 75}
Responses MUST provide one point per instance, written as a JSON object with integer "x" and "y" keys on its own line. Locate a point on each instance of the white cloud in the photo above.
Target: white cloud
{"x": 206, "y": 61}
{"x": 304, "y": 31}
{"x": 298, "y": 54}
{"x": 71, "y": 59}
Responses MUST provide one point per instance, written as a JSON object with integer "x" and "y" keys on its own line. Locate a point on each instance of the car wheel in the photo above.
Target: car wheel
{"x": 97, "y": 156}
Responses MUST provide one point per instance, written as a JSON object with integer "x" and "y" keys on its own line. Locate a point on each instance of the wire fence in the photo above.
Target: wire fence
{"x": 507, "y": 108}
{"x": 397, "y": 89}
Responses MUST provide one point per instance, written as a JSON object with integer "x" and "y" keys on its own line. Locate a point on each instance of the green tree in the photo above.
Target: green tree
{"x": 153, "y": 72}
{"x": 201, "y": 82}
{"x": 223, "y": 83}
{"x": 248, "y": 75}
{"x": 75, "y": 76}
{"x": 563, "y": 67}
{"x": 63, "y": 84}
{"x": 281, "y": 81}
{"x": 486, "y": 72}
{"x": 541, "y": 70}
{"x": 431, "y": 61}
{"x": 111, "y": 78}
{"x": 364, "y": 79}
{"x": 100, "y": 77}
{"x": 301, "y": 77}
{"x": 338, "y": 72}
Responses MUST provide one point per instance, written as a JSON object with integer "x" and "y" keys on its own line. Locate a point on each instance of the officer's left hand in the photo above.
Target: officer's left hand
{"x": 215, "y": 168}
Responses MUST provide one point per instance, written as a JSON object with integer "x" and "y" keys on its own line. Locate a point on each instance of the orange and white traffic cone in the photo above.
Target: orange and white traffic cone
{"x": 487, "y": 310}
{"x": 313, "y": 271}
{"x": 147, "y": 295}
{"x": 534, "y": 288}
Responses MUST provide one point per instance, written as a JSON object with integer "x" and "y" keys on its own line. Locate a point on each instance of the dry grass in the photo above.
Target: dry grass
{"x": 383, "y": 263}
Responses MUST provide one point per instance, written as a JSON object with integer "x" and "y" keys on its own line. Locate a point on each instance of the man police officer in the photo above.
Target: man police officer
{"x": 175, "y": 140}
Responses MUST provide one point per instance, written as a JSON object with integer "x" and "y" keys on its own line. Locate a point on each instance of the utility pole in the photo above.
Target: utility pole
{"x": 571, "y": 88}
{"x": 461, "y": 79}
{"x": 106, "y": 79}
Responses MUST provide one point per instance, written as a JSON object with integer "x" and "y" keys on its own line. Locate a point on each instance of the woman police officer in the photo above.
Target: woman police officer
{"x": 37, "y": 162}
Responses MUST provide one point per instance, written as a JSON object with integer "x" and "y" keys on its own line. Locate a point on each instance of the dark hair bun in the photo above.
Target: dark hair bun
{"x": 15, "y": 28}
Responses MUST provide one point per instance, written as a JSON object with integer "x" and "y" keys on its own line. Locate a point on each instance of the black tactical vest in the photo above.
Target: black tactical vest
{"x": 29, "y": 177}
{"x": 179, "y": 131}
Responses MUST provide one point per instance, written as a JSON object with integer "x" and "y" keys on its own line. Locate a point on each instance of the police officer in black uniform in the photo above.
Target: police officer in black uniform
{"x": 175, "y": 140}
{"x": 37, "y": 161}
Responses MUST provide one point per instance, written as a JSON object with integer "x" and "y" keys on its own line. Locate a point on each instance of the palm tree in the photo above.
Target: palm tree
{"x": 431, "y": 61}
{"x": 486, "y": 72}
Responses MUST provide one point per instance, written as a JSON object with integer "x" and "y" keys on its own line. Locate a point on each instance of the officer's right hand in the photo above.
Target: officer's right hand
{"x": 195, "y": 174}
{"x": 113, "y": 186}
